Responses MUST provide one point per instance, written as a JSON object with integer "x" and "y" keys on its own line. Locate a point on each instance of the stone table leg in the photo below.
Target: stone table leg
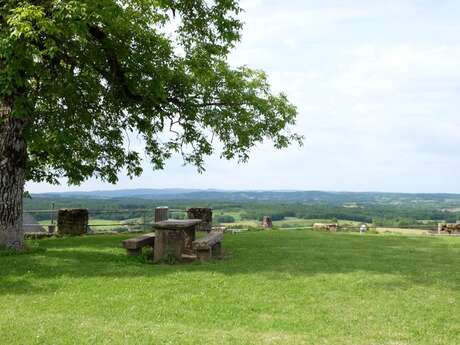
{"x": 168, "y": 242}
{"x": 190, "y": 236}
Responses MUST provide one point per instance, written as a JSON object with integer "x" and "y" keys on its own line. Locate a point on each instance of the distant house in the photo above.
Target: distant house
{"x": 30, "y": 224}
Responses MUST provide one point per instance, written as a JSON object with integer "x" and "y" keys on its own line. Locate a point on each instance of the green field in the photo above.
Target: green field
{"x": 104, "y": 225}
{"x": 275, "y": 287}
{"x": 290, "y": 222}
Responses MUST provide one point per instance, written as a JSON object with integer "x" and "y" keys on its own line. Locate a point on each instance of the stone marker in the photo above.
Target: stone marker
{"x": 267, "y": 222}
{"x": 72, "y": 221}
{"x": 205, "y": 214}
{"x": 161, "y": 214}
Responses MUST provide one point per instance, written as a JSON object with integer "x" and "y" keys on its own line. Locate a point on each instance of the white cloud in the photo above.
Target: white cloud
{"x": 392, "y": 69}
{"x": 377, "y": 86}
{"x": 284, "y": 24}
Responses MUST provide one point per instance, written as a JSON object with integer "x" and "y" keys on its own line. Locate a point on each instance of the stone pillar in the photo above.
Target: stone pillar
{"x": 161, "y": 214}
{"x": 440, "y": 228}
{"x": 205, "y": 214}
{"x": 72, "y": 221}
{"x": 51, "y": 229}
{"x": 267, "y": 222}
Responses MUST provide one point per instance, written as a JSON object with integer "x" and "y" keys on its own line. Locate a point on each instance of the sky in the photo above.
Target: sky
{"x": 377, "y": 86}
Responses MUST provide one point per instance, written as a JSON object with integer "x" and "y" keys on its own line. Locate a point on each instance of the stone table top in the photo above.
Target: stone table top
{"x": 176, "y": 224}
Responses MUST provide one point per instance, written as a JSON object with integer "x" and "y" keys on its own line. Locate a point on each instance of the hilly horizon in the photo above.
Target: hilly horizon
{"x": 257, "y": 195}
{"x": 139, "y": 191}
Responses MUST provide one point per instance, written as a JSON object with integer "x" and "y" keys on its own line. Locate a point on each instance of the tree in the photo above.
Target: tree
{"x": 79, "y": 78}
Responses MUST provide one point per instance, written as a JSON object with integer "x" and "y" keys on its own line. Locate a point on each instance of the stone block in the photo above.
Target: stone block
{"x": 205, "y": 214}
{"x": 72, "y": 221}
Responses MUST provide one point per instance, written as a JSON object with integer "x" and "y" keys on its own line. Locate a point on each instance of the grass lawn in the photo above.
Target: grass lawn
{"x": 276, "y": 287}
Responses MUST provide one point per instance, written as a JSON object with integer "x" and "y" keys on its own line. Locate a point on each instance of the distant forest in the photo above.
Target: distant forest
{"x": 378, "y": 208}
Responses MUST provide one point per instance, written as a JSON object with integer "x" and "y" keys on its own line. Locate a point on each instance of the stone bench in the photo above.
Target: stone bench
{"x": 134, "y": 245}
{"x": 209, "y": 246}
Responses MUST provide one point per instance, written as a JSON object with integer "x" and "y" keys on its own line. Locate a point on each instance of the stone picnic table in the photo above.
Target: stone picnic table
{"x": 174, "y": 237}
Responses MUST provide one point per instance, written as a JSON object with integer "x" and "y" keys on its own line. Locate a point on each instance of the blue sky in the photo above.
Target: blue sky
{"x": 377, "y": 85}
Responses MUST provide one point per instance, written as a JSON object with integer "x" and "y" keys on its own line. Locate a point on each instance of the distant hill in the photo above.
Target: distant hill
{"x": 263, "y": 196}
{"x": 121, "y": 193}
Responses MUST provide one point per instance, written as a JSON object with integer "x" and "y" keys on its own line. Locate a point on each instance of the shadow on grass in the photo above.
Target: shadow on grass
{"x": 275, "y": 254}
{"x": 25, "y": 287}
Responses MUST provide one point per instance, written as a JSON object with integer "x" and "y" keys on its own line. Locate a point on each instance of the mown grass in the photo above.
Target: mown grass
{"x": 275, "y": 287}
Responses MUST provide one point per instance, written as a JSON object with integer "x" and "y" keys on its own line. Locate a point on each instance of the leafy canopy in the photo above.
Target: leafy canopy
{"x": 87, "y": 75}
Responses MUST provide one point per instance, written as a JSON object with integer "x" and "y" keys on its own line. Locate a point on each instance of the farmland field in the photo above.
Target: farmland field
{"x": 275, "y": 287}
{"x": 403, "y": 231}
{"x": 291, "y": 222}
{"x": 96, "y": 224}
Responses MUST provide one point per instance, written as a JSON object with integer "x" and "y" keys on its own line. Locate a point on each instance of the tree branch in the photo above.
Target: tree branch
{"x": 116, "y": 74}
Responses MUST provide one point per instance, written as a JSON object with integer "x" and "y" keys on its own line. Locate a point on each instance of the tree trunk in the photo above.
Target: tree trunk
{"x": 13, "y": 155}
